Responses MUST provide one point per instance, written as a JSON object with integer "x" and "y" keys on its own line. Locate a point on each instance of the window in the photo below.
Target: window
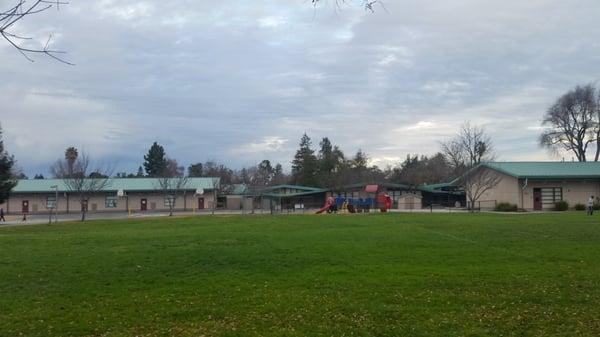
{"x": 170, "y": 201}
{"x": 51, "y": 202}
{"x": 111, "y": 202}
{"x": 551, "y": 195}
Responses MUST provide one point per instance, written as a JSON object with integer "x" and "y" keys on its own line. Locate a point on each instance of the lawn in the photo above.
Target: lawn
{"x": 362, "y": 275}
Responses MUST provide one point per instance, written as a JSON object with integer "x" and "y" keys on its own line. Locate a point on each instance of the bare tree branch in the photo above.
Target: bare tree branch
{"x": 470, "y": 147}
{"x": 478, "y": 181}
{"x": 77, "y": 175}
{"x": 465, "y": 153}
{"x": 19, "y": 11}
{"x": 573, "y": 123}
{"x": 171, "y": 182}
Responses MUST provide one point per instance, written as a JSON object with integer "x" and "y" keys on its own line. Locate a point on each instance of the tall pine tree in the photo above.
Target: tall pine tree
{"x": 305, "y": 164}
{"x": 155, "y": 162}
{"x": 331, "y": 163}
{"x": 7, "y": 180}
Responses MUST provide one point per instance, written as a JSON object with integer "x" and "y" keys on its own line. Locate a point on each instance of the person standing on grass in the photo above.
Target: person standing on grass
{"x": 2, "y": 215}
{"x": 591, "y": 205}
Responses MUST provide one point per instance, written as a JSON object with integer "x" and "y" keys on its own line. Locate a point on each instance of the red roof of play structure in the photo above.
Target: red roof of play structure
{"x": 371, "y": 188}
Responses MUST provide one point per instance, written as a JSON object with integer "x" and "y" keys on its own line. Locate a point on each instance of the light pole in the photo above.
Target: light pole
{"x": 55, "y": 187}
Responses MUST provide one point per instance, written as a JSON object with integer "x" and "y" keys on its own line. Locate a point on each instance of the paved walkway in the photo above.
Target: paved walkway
{"x": 13, "y": 220}
{"x": 17, "y": 220}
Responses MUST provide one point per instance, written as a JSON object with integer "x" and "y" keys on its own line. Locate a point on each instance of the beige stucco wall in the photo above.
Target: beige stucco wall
{"x": 510, "y": 189}
{"x": 97, "y": 203}
{"x": 574, "y": 191}
{"x": 507, "y": 190}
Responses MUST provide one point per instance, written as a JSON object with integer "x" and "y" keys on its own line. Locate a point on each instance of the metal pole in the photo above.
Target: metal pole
{"x": 55, "y": 187}
{"x": 56, "y": 204}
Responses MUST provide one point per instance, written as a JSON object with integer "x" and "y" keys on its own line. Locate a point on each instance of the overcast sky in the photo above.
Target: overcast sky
{"x": 240, "y": 81}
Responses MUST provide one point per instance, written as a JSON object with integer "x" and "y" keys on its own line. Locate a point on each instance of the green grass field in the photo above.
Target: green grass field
{"x": 363, "y": 275}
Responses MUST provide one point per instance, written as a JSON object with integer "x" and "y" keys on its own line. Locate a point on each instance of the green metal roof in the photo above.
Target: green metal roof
{"x": 113, "y": 185}
{"x": 547, "y": 170}
{"x": 239, "y": 189}
{"x": 434, "y": 187}
{"x": 380, "y": 184}
{"x": 295, "y": 187}
{"x": 272, "y": 191}
{"x": 291, "y": 195}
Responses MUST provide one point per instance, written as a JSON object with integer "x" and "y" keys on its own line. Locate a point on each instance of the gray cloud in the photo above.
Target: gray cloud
{"x": 238, "y": 82}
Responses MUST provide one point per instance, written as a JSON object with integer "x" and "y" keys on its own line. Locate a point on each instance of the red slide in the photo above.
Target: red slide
{"x": 385, "y": 202}
{"x": 328, "y": 203}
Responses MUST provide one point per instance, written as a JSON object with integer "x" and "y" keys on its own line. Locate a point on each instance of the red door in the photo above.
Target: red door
{"x": 537, "y": 199}
{"x": 25, "y": 206}
{"x": 144, "y": 204}
{"x": 200, "y": 203}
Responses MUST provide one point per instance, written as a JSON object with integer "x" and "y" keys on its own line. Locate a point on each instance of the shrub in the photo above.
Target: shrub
{"x": 596, "y": 207}
{"x": 506, "y": 207}
{"x": 561, "y": 206}
{"x": 580, "y": 207}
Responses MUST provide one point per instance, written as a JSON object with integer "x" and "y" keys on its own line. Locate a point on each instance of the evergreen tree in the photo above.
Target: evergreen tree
{"x": 305, "y": 164}
{"x": 196, "y": 170}
{"x": 140, "y": 172}
{"x": 360, "y": 168}
{"x": 155, "y": 162}
{"x": 264, "y": 173}
{"x": 330, "y": 161}
{"x": 38, "y": 176}
{"x": 7, "y": 181}
{"x": 278, "y": 175}
{"x": 360, "y": 160}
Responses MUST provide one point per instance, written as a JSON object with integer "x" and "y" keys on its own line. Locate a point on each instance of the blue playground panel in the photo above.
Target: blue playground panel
{"x": 360, "y": 202}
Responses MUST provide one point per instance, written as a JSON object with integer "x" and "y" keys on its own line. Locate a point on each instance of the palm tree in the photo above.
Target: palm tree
{"x": 71, "y": 156}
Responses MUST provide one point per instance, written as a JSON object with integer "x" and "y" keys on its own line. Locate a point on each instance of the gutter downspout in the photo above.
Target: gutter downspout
{"x": 522, "y": 195}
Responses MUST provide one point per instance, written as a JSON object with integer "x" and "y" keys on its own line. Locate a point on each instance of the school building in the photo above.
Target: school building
{"x": 404, "y": 197}
{"x": 539, "y": 185}
{"x": 279, "y": 198}
{"x": 39, "y": 196}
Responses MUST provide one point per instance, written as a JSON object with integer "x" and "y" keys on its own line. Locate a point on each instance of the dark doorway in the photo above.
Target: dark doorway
{"x": 144, "y": 204}
{"x": 537, "y": 199}
{"x": 200, "y": 203}
{"x": 25, "y": 206}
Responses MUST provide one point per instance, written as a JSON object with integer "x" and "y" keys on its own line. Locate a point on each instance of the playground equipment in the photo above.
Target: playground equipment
{"x": 328, "y": 207}
{"x": 384, "y": 201}
{"x": 381, "y": 201}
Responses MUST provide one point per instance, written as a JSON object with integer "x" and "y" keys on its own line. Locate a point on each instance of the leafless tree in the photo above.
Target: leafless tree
{"x": 465, "y": 153}
{"x": 476, "y": 182}
{"x": 470, "y": 147}
{"x": 19, "y": 10}
{"x": 171, "y": 183}
{"x": 75, "y": 175}
{"x": 216, "y": 187}
{"x": 476, "y": 144}
{"x": 573, "y": 123}
{"x": 454, "y": 155}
